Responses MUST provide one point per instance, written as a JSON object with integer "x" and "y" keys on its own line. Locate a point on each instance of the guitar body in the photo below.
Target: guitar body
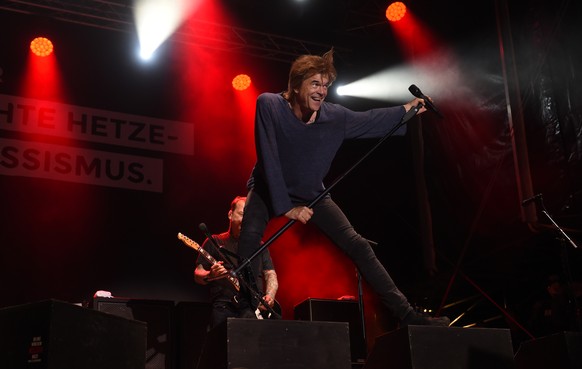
{"x": 266, "y": 314}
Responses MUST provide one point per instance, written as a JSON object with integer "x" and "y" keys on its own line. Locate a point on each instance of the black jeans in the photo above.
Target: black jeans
{"x": 222, "y": 310}
{"x": 330, "y": 219}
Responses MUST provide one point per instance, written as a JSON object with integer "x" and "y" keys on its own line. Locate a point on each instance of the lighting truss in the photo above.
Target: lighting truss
{"x": 117, "y": 15}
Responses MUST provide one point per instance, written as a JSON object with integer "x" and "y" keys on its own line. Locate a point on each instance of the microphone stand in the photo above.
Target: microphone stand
{"x": 411, "y": 113}
{"x": 564, "y": 240}
{"x": 560, "y": 230}
{"x": 361, "y": 298}
{"x": 361, "y": 304}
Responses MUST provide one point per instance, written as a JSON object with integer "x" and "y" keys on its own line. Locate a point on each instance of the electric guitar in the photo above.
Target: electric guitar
{"x": 234, "y": 283}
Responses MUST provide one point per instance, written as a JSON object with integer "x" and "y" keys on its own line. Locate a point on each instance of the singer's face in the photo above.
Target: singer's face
{"x": 312, "y": 92}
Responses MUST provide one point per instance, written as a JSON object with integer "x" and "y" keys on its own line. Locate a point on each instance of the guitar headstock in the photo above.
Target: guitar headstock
{"x": 189, "y": 242}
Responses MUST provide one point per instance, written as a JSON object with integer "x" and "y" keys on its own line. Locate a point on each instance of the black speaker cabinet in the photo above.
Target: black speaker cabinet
{"x": 425, "y": 347}
{"x": 557, "y": 351}
{"x": 159, "y": 317}
{"x": 336, "y": 311}
{"x": 192, "y": 325}
{"x": 280, "y": 344}
{"x": 54, "y": 334}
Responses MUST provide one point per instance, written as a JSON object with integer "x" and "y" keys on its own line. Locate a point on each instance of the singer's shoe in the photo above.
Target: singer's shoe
{"x": 414, "y": 318}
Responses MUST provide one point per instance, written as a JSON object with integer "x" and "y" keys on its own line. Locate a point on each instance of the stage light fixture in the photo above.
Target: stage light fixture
{"x": 41, "y": 46}
{"x": 395, "y": 11}
{"x": 241, "y": 82}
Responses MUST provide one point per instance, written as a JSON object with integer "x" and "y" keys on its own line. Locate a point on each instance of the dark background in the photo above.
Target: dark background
{"x": 65, "y": 241}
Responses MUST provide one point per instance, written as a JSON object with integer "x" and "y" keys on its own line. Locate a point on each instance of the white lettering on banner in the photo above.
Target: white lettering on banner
{"x": 70, "y": 164}
{"x": 61, "y": 120}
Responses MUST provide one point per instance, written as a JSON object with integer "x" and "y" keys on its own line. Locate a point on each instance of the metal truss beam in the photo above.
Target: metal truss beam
{"x": 117, "y": 15}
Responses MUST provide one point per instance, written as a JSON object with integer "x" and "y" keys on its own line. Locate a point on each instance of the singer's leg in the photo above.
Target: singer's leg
{"x": 255, "y": 219}
{"x": 328, "y": 217}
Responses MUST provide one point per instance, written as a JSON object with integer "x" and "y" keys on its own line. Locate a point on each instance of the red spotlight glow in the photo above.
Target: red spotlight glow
{"x": 41, "y": 46}
{"x": 241, "y": 82}
{"x": 395, "y": 11}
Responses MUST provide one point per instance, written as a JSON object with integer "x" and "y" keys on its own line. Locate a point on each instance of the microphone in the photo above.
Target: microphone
{"x": 533, "y": 198}
{"x": 204, "y": 229}
{"x": 416, "y": 92}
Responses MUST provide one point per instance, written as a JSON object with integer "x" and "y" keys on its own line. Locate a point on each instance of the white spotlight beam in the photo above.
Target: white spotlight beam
{"x": 433, "y": 78}
{"x": 156, "y": 21}
{"x": 387, "y": 85}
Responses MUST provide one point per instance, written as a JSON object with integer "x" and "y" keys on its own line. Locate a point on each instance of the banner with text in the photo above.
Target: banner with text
{"x": 35, "y": 158}
{"x": 70, "y": 164}
{"x": 86, "y": 124}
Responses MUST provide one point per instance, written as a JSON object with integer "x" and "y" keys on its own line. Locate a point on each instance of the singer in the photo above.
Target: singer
{"x": 297, "y": 135}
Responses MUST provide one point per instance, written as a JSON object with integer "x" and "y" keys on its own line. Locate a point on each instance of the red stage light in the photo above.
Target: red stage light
{"x": 395, "y": 11}
{"x": 41, "y": 46}
{"x": 241, "y": 82}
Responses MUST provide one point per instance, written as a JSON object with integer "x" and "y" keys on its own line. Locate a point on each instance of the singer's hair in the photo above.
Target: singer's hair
{"x": 235, "y": 201}
{"x": 306, "y": 66}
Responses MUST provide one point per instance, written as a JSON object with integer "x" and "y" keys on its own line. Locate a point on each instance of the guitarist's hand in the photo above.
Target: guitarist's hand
{"x": 300, "y": 213}
{"x": 217, "y": 269}
{"x": 200, "y": 275}
{"x": 269, "y": 300}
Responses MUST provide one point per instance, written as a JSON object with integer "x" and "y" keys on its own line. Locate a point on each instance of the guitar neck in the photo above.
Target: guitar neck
{"x": 189, "y": 242}
{"x": 207, "y": 256}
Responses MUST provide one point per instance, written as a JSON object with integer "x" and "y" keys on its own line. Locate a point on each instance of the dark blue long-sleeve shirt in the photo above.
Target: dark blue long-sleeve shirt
{"x": 294, "y": 157}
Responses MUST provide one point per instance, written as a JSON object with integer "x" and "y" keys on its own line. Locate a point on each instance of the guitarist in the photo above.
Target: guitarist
{"x": 222, "y": 291}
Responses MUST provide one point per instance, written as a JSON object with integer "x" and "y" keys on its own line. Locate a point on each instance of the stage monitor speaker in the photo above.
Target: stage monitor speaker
{"x": 54, "y": 334}
{"x": 192, "y": 325}
{"x": 336, "y": 311}
{"x": 557, "y": 351}
{"x": 426, "y": 347}
{"x": 282, "y": 344}
{"x": 159, "y": 317}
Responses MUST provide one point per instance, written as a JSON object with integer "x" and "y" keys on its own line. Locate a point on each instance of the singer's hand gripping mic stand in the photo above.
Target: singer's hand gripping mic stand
{"x": 411, "y": 113}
